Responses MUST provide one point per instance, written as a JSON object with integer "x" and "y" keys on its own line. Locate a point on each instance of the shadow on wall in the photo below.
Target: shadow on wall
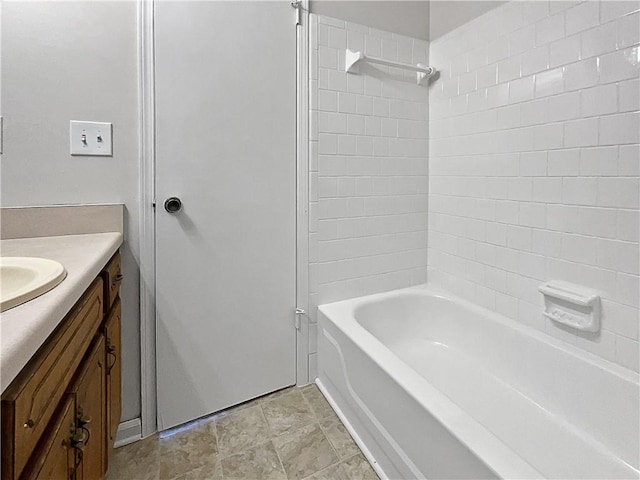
{"x": 409, "y": 18}
{"x": 426, "y": 20}
{"x": 447, "y": 15}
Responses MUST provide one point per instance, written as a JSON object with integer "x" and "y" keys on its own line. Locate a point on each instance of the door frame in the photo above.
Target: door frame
{"x": 147, "y": 206}
{"x": 147, "y": 227}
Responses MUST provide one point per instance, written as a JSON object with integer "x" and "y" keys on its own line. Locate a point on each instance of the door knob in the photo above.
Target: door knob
{"x": 173, "y": 205}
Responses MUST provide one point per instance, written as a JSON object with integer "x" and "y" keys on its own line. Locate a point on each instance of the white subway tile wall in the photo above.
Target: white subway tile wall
{"x": 368, "y": 166}
{"x": 534, "y": 163}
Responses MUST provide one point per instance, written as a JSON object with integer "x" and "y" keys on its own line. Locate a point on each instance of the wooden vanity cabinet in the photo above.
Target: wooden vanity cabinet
{"x": 60, "y": 414}
{"x": 56, "y": 456}
{"x": 89, "y": 391}
{"x": 112, "y": 278}
{"x": 112, "y": 333}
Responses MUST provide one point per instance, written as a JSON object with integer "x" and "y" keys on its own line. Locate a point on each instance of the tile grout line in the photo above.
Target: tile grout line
{"x": 271, "y": 437}
{"x": 330, "y": 442}
{"x": 219, "y": 459}
{"x": 339, "y": 462}
{"x": 279, "y": 459}
{"x": 314, "y": 421}
{"x": 224, "y": 457}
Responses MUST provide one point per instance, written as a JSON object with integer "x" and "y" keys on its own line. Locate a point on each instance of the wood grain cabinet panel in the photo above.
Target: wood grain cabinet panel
{"x": 60, "y": 415}
{"x": 55, "y": 456}
{"x": 112, "y": 276}
{"x": 112, "y": 331}
{"x": 90, "y": 393}
{"x": 29, "y": 402}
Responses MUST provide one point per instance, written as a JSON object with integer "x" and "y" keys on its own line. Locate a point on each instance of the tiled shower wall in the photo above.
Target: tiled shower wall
{"x": 534, "y": 163}
{"x": 368, "y": 167}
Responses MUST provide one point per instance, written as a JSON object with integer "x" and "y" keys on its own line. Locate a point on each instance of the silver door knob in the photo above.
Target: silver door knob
{"x": 173, "y": 204}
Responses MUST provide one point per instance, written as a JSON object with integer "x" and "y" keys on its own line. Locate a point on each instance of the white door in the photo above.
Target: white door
{"x": 225, "y": 263}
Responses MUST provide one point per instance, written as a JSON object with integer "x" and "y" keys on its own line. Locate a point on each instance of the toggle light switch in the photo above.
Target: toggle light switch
{"x": 90, "y": 138}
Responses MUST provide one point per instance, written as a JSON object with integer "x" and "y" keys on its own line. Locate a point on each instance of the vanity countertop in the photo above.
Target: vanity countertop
{"x": 23, "y": 329}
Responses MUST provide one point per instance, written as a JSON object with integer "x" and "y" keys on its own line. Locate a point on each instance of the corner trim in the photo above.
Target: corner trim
{"x": 146, "y": 113}
{"x": 128, "y": 432}
{"x": 302, "y": 200}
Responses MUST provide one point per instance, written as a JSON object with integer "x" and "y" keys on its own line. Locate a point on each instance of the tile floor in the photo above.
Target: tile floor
{"x": 290, "y": 434}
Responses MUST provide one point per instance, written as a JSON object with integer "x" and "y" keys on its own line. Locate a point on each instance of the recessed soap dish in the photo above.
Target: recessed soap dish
{"x": 572, "y": 305}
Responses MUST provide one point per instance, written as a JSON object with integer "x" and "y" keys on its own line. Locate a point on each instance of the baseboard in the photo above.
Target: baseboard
{"x": 356, "y": 438}
{"x": 128, "y": 432}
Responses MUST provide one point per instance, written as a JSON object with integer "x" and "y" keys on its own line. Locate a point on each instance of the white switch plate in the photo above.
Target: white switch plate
{"x": 90, "y": 138}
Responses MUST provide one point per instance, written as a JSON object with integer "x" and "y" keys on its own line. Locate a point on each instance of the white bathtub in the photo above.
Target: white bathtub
{"x": 435, "y": 387}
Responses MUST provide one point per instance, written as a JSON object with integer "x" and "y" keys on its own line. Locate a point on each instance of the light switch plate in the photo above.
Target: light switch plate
{"x": 90, "y": 138}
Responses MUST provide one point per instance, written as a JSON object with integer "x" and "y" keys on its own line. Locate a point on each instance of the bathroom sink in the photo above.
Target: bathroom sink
{"x": 24, "y": 278}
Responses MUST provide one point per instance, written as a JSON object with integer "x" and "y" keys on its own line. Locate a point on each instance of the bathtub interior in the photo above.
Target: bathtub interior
{"x": 533, "y": 392}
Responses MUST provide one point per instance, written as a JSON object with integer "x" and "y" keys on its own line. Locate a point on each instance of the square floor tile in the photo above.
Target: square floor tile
{"x": 241, "y": 429}
{"x": 340, "y": 439}
{"x": 139, "y": 460}
{"x": 208, "y": 472}
{"x": 188, "y": 449}
{"x": 334, "y": 472}
{"x": 290, "y": 434}
{"x": 305, "y": 451}
{"x": 287, "y": 413}
{"x": 257, "y": 463}
{"x": 318, "y": 403}
{"x": 358, "y": 468}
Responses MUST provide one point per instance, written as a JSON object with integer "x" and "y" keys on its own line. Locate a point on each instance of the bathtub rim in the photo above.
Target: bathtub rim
{"x": 492, "y": 451}
{"x": 349, "y": 306}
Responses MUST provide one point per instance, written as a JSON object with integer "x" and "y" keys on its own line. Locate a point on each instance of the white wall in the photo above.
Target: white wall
{"x": 368, "y": 166}
{"x": 446, "y": 15}
{"x": 75, "y": 60}
{"x": 410, "y": 18}
{"x": 534, "y": 163}
{"x": 426, "y": 20}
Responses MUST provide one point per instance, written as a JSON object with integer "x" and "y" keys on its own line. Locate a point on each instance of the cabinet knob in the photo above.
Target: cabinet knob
{"x": 79, "y": 439}
{"x": 29, "y": 424}
{"x": 82, "y": 420}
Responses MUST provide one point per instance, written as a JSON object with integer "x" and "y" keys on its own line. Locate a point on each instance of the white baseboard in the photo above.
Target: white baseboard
{"x": 128, "y": 432}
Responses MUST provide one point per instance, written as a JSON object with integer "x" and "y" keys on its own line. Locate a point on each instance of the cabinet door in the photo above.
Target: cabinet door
{"x": 112, "y": 334}
{"x": 91, "y": 398}
{"x": 32, "y": 398}
{"x": 112, "y": 276}
{"x": 54, "y": 456}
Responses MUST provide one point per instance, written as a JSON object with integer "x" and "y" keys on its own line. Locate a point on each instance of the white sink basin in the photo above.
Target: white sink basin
{"x": 24, "y": 278}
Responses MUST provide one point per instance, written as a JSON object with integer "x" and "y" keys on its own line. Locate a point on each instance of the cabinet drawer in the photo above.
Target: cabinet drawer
{"x": 55, "y": 457}
{"x": 112, "y": 276}
{"x": 29, "y": 402}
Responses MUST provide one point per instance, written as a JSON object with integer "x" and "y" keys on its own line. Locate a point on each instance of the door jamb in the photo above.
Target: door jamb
{"x": 147, "y": 132}
{"x": 302, "y": 200}
{"x": 147, "y": 233}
